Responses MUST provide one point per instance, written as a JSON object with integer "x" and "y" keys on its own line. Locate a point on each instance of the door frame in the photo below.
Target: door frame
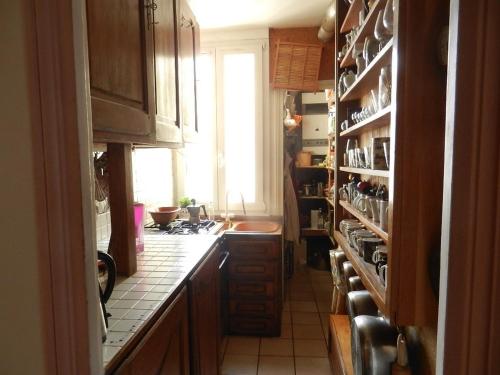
{"x": 62, "y": 148}
{"x": 469, "y": 305}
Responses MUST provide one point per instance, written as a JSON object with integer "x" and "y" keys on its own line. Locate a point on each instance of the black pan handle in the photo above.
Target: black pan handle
{"x": 111, "y": 269}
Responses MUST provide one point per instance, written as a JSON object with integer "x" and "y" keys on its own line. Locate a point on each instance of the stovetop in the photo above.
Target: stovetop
{"x": 184, "y": 227}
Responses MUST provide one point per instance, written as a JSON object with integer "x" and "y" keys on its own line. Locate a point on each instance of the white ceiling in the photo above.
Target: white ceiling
{"x": 216, "y": 14}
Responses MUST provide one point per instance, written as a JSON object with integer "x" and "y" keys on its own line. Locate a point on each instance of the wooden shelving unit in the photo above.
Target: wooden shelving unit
{"x": 351, "y": 20}
{"x": 365, "y": 271}
{"x": 370, "y": 224}
{"x": 369, "y": 78}
{"x": 367, "y": 172}
{"x": 365, "y": 30}
{"x": 415, "y": 124}
{"x": 312, "y": 167}
{"x": 378, "y": 120}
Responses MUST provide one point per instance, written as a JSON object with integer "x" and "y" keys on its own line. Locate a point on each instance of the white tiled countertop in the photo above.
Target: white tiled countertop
{"x": 162, "y": 270}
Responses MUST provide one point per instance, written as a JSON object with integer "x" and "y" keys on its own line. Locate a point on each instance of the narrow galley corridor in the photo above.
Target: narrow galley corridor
{"x": 302, "y": 347}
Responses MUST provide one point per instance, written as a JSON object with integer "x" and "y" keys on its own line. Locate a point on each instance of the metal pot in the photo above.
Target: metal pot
{"x": 360, "y": 302}
{"x": 373, "y": 345}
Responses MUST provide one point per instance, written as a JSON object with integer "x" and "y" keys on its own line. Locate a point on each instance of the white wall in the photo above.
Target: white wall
{"x": 21, "y": 350}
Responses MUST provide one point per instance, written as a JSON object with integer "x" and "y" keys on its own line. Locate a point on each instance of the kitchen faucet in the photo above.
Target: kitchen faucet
{"x": 227, "y": 204}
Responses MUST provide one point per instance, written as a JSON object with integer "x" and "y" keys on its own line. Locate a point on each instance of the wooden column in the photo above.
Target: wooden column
{"x": 121, "y": 200}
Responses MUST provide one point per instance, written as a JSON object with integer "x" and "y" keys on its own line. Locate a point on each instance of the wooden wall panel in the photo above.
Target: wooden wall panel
{"x": 303, "y": 35}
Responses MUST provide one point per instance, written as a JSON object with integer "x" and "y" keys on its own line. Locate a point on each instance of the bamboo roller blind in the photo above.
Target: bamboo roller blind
{"x": 296, "y": 66}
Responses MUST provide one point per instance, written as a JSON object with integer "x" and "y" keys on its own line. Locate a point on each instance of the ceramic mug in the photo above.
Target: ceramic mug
{"x": 358, "y": 235}
{"x": 380, "y": 254}
{"x": 383, "y": 211}
{"x": 382, "y": 273}
{"x": 369, "y": 248}
{"x": 372, "y": 202}
{"x": 367, "y": 245}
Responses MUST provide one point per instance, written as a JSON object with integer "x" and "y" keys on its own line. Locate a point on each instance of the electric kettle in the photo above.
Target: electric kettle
{"x": 107, "y": 269}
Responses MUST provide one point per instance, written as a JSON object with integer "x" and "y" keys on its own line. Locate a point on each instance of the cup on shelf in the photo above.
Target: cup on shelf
{"x": 387, "y": 151}
{"x": 382, "y": 273}
{"x": 349, "y": 79}
{"x": 383, "y": 212}
{"x": 372, "y": 202}
{"x": 384, "y": 87}
{"x": 357, "y": 237}
{"x": 369, "y": 247}
{"x": 380, "y": 254}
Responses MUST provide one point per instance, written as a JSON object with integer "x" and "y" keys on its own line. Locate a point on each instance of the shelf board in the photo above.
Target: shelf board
{"x": 312, "y": 232}
{"x": 311, "y": 167}
{"x": 365, "y": 271}
{"x": 369, "y": 78}
{"x": 351, "y": 19}
{"x": 312, "y": 197}
{"x": 369, "y": 172}
{"x": 379, "y": 119}
{"x": 365, "y": 30}
{"x": 370, "y": 224}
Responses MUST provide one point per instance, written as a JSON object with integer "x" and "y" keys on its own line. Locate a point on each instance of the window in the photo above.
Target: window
{"x": 229, "y": 156}
{"x": 153, "y": 186}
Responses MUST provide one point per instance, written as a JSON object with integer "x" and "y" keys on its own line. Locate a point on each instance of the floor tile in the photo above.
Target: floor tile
{"x": 243, "y": 345}
{"x": 312, "y": 366}
{"x": 305, "y": 318}
{"x": 301, "y": 296}
{"x": 303, "y": 306}
{"x": 286, "y": 317}
{"x": 239, "y": 364}
{"x": 286, "y": 331}
{"x": 309, "y": 348}
{"x": 276, "y": 366}
{"x": 301, "y": 331}
{"x": 276, "y": 347}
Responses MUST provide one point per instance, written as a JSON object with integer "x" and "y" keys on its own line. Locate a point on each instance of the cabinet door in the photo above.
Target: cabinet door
{"x": 165, "y": 348}
{"x": 188, "y": 50}
{"x": 120, "y": 39}
{"x": 166, "y": 74}
{"x": 204, "y": 297}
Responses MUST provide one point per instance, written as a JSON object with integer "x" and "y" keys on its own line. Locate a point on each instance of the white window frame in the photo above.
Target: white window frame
{"x": 270, "y": 150}
{"x": 259, "y": 204}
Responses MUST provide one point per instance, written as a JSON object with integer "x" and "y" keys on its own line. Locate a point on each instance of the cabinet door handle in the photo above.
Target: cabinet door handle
{"x": 151, "y": 6}
{"x": 187, "y": 23}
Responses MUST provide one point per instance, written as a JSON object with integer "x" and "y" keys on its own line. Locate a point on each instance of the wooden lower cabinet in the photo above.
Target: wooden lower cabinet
{"x": 165, "y": 348}
{"x": 255, "y": 284}
{"x": 204, "y": 315}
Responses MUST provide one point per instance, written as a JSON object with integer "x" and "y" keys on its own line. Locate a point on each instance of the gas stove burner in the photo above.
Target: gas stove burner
{"x": 184, "y": 227}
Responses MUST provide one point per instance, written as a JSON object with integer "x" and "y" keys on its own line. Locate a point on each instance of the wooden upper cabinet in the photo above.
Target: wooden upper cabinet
{"x": 189, "y": 32}
{"x": 120, "y": 40}
{"x": 168, "y": 127}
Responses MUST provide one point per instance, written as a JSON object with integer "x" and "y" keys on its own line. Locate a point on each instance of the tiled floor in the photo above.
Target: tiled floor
{"x": 301, "y": 349}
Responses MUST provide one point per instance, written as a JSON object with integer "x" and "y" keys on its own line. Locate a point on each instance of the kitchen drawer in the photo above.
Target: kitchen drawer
{"x": 253, "y": 269}
{"x": 254, "y": 326}
{"x": 254, "y": 249}
{"x": 251, "y": 289}
{"x": 252, "y": 307}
